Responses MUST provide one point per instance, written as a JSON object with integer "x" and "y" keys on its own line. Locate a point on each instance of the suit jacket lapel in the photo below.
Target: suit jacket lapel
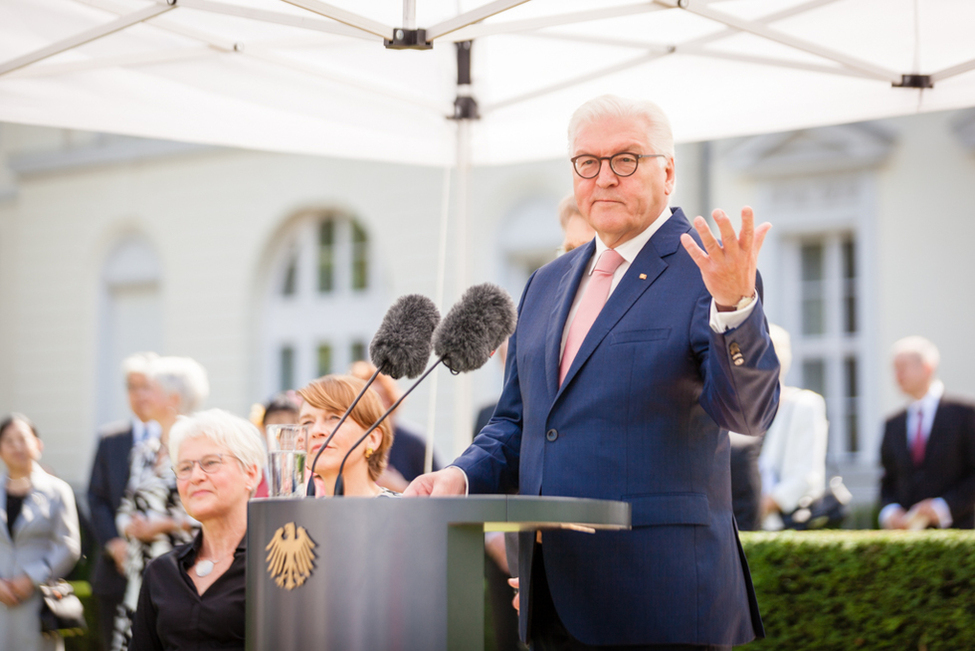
{"x": 650, "y": 263}
{"x": 564, "y": 296}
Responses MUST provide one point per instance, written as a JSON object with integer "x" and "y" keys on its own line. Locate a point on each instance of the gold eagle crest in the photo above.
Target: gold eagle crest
{"x": 290, "y": 556}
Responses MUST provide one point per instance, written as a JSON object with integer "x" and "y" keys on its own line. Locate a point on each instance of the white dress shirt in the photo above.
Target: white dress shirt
{"x": 142, "y": 432}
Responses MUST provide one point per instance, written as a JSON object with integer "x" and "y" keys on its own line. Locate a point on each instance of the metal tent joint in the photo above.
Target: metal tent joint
{"x": 408, "y": 39}
{"x": 915, "y": 81}
{"x": 465, "y": 108}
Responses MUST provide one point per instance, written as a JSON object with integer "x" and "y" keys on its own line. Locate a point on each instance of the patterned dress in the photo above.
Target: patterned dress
{"x": 151, "y": 493}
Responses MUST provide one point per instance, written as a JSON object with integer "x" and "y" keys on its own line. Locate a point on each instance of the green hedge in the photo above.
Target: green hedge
{"x": 83, "y": 640}
{"x": 864, "y": 589}
{"x": 841, "y": 590}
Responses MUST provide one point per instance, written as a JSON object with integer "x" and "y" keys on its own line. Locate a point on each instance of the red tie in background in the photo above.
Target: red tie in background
{"x": 917, "y": 446}
{"x": 593, "y": 299}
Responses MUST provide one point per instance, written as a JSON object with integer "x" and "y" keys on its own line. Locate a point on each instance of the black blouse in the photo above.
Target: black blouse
{"x": 171, "y": 615}
{"x": 15, "y": 504}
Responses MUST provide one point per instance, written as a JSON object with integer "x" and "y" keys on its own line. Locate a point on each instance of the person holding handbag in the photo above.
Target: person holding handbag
{"x": 39, "y": 536}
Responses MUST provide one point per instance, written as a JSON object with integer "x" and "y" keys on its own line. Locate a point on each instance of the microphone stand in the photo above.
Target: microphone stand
{"x": 339, "y": 489}
{"x": 310, "y": 489}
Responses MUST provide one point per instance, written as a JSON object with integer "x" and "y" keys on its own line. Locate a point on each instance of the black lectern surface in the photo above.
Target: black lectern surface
{"x": 378, "y": 574}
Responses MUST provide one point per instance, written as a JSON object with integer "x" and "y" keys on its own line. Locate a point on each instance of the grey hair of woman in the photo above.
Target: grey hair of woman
{"x": 237, "y": 434}
{"x": 182, "y": 376}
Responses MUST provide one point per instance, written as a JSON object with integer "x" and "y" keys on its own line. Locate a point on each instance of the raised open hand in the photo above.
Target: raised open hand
{"x": 727, "y": 267}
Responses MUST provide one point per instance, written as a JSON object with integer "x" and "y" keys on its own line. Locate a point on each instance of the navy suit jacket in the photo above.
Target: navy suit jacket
{"x": 642, "y": 417}
{"x": 948, "y": 469}
{"x": 109, "y": 477}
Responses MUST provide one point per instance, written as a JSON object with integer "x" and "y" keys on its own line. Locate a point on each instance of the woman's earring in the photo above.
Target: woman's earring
{"x": 369, "y": 452}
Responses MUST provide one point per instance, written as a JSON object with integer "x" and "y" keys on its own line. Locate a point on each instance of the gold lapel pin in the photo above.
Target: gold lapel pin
{"x": 643, "y": 276}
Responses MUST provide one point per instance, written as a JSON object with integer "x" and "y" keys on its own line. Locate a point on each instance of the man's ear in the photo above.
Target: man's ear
{"x": 671, "y": 171}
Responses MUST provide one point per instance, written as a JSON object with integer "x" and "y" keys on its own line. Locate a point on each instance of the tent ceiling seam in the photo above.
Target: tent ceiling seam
{"x": 469, "y": 17}
{"x": 761, "y": 30}
{"x": 86, "y": 36}
{"x": 274, "y": 17}
{"x": 478, "y": 31}
{"x": 343, "y": 16}
{"x": 581, "y": 79}
{"x": 118, "y": 61}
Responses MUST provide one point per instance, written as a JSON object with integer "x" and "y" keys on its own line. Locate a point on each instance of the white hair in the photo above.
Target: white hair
{"x": 919, "y": 346}
{"x": 568, "y": 209}
{"x": 782, "y": 344}
{"x": 182, "y": 376}
{"x": 237, "y": 434}
{"x": 138, "y": 363}
{"x": 659, "y": 135}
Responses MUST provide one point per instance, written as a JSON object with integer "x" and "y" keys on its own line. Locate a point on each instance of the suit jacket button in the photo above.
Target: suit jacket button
{"x": 552, "y": 434}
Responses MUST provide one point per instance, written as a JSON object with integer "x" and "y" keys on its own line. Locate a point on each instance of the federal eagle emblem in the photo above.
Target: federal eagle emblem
{"x": 290, "y": 558}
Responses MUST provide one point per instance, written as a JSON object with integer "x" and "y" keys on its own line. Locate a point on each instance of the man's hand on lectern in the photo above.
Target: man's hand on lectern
{"x": 449, "y": 481}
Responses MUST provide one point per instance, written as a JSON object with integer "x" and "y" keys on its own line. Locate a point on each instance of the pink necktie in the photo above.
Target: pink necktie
{"x": 917, "y": 446}
{"x": 593, "y": 299}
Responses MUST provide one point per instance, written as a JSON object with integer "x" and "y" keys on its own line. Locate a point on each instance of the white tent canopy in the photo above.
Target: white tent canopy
{"x": 305, "y": 76}
{"x": 310, "y": 77}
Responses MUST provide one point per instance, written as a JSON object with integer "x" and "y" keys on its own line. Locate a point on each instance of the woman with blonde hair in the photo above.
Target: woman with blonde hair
{"x": 325, "y": 400}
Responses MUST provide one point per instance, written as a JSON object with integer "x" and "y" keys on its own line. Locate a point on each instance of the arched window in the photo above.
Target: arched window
{"x": 322, "y": 302}
{"x": 130, "y": 318}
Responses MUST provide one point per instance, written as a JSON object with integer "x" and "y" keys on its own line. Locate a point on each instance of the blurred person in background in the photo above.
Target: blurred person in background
{"x": 193, "y": 597}
{"x": 408, "y": 454}
{"x": 151, "y": 515}
{"x": 109, "y": 477}
{"x": 575, "y": 229}
{"x": 39, "y": 539}
{"x": 325, "y": 400}
{"x": 928, "y": 450}
{"x": 281, "y": 409}
{"x": 793, "y": 457}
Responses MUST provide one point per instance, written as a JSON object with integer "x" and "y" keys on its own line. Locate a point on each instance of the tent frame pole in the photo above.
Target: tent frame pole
{"x": 86, "y": 36}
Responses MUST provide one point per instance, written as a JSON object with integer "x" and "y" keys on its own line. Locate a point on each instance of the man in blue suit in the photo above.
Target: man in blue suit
{"x": 633, "y": 356}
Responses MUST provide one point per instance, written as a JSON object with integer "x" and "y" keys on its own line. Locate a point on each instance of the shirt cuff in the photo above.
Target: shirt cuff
{"x": 467, "y": 482}
{"x": 725, "y": 321}
{"x": 887, "y": 512}
{"x": 944, "y": 513}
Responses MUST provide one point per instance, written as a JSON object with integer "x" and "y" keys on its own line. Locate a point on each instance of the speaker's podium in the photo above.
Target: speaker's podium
{"x": 378, "y": 574}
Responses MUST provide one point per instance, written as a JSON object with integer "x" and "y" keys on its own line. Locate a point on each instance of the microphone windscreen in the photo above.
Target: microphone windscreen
{"x": 402, "y": 343}
{"x": 482, "y": 320}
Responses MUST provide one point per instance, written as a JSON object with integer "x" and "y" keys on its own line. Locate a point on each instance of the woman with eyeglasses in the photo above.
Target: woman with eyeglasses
{"x": 151, "y": 515}
{"x": 193, "y": 597}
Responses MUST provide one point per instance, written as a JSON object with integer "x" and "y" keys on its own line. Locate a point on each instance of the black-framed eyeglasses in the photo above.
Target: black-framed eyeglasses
{"x": 209, "y": 464}
{"x": 622, "y": 164}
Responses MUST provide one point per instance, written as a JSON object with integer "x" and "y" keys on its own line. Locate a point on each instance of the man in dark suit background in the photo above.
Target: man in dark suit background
{"x": 632, "y": 357}
{"x": 928, "y": 451}
{"x": 109, "y": 477}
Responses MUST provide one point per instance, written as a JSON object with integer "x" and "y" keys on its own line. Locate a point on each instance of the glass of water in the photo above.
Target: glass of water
{"x": 287, "y": 447}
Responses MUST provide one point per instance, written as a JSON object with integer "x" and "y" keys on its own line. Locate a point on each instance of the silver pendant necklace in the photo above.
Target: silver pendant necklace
{"x": 203, "y": 568}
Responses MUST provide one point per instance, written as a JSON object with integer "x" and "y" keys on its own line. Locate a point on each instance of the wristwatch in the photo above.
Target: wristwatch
{"x": 745, "y": 302}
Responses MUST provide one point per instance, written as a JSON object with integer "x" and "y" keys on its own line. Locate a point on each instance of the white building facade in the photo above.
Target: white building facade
{"x": 273, "y": 269}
